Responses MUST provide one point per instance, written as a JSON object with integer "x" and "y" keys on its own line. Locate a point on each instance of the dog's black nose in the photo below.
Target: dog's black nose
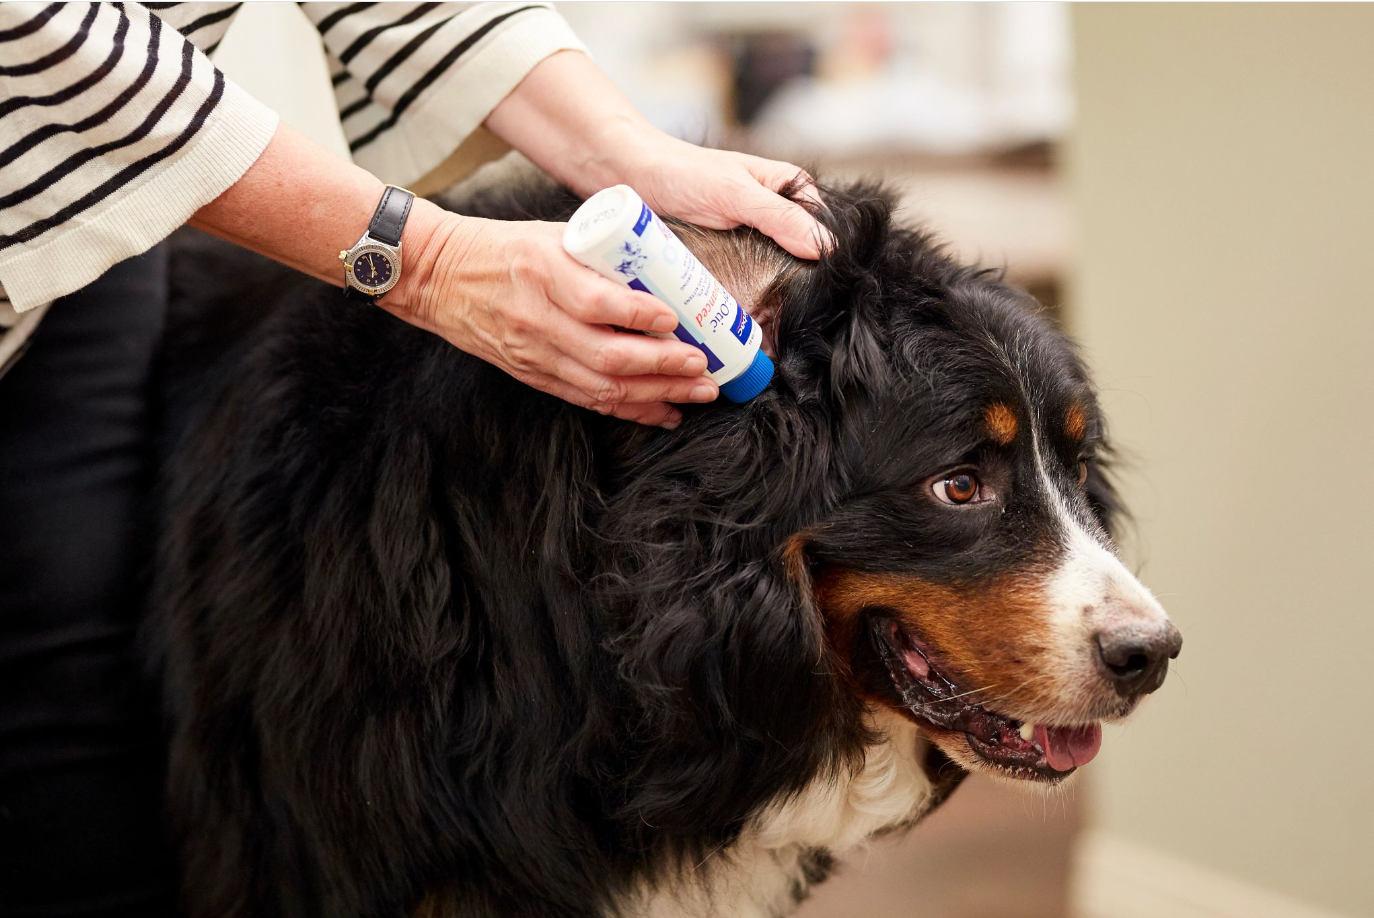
{"x": 1136, "y": 657}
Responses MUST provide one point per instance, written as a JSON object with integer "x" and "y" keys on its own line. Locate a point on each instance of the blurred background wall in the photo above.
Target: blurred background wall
{"x": 1222, "y": 176}
{"x": 1194, "y": 184}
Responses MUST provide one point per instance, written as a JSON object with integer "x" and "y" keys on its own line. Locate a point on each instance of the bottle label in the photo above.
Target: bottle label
{"x": 650, "y": 258}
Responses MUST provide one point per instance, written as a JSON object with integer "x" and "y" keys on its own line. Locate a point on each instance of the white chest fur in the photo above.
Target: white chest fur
{"x": 765, "y": 874}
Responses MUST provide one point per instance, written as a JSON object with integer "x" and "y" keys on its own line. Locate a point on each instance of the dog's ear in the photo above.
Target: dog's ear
{"x": 731, "y": 671}
{"x": 752, "y": 267}
{"x": 755, "y": 269}
{"x": 720, "y": 642}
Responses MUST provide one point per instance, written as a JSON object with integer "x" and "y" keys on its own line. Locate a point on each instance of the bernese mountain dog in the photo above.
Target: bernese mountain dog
{"x": 434, "y": 643}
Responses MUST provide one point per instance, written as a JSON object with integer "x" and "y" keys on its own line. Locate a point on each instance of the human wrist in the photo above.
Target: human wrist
{"x": 427, "y": 229}
{"x": 618, "y": 150}
{"x": 573, "y": 122}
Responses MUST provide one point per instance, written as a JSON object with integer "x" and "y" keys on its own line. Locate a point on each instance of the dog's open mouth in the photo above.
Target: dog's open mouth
{"x": 1029, "y": 751}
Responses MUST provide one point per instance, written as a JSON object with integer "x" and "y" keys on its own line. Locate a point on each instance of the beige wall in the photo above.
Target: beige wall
{"x": 1223, "y": 178}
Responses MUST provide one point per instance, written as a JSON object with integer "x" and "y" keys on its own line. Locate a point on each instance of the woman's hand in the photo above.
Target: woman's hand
{"x": 508, "y": 293}
{"x": 719, "y": 189}
{"x": 570, "y": 119}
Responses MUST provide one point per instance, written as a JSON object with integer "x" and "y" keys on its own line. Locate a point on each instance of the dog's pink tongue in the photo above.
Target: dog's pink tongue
{"x": 1068, "y": 747}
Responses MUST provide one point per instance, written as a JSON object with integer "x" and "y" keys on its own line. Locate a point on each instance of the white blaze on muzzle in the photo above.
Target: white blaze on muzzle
{"x": 1095, "y": 603}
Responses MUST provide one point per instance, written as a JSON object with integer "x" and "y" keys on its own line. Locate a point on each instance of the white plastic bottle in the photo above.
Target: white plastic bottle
{"x": 616, "y": 234}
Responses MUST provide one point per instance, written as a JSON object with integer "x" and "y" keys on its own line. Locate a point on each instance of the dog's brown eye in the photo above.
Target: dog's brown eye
{"x": 1082, "y": 471}
{"x": 959, "y": 488}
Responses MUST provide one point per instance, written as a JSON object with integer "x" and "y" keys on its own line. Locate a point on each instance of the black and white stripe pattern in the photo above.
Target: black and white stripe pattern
{"x": 432, "y": 48}
{"x": 115, "y": 127}
{"x": 202, "y": 23}
{"x": 413, "y": 79}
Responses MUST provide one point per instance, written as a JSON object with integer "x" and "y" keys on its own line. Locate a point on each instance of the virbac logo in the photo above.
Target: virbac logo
{"x": 631, "y": 259}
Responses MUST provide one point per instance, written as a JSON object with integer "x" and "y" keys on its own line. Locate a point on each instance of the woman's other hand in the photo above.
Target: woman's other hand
{"x": 719, "y": 189}
{"x": 569, "y": 118}
{"x": 507, "y": 292}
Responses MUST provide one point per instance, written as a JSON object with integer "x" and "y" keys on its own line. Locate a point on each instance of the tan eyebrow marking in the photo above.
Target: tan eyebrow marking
{"x": 1075, "y": 422}
{"x": 1000, "y": 422}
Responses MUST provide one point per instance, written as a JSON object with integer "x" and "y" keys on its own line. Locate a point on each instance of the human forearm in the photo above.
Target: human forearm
{"x": 301, "y": 205}
{"x": 503, "y": 291}
{"x": 574, "y": 123}
{"x": 570, "y": 119}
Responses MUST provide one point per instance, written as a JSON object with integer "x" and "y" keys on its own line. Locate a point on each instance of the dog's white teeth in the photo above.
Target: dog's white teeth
{"x": 1027, "y": 731}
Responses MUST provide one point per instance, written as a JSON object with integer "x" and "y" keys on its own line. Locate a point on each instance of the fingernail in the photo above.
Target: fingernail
{"x": 702, "y": 394}
{"x": 664, "y": 323}
{"x": 671, "y": 423}
{"x": 696, "y": 365}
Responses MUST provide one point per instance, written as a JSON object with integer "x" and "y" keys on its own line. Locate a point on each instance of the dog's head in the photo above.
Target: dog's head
{"x": 968, "y": 577}
{"x": 927, "y": 479}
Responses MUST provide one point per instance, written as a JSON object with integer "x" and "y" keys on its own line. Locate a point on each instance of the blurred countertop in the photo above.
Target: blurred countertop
{"x": 1003, "y": 215}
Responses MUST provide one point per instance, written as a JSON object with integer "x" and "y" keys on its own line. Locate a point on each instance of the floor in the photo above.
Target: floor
{"x": 992, "y": 850}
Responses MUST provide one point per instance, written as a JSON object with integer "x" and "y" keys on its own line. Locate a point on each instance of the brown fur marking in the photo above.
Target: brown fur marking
{"x": 991, "y": 635}
{"x": 794, "y": 560}
{"x": 1000, "y": 422}
{"x": 1075, "y": 423}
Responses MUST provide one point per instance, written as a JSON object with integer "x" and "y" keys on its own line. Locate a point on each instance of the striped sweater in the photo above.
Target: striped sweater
{"x": 115, "y": 127}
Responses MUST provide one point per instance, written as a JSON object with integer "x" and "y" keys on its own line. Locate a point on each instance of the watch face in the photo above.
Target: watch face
{"x": 372, "y": 269}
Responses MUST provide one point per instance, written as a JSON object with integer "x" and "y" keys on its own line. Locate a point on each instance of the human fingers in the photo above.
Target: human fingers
{"x": 604, "y": 389}
{"x": 618, "y": 353}
{"x": 656, "y": 414}
{"x": 784, "y": 220}
{"x": 591, "y": 298}
{"x": 652, "y": 414}
{"x": 787, "y": 223}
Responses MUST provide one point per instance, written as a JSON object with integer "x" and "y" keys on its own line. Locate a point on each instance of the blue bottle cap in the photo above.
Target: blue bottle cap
{"x": 751, "y": 382}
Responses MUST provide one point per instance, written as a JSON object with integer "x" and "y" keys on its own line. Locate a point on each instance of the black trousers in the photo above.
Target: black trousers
{"x": 81, "y": 755}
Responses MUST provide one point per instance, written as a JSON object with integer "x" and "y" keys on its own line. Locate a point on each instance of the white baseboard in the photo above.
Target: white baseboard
{"x": 1115, "y": 878}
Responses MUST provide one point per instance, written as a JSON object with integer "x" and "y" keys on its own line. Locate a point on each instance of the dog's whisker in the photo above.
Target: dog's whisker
{"x": 712, "y": 854}
{"x": 1176, "y": 672}
{"x": 973, "y": 691}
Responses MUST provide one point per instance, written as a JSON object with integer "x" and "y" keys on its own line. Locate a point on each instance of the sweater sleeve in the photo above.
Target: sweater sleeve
{"x": 414, "y": 81}
{"x": 114, "y": 130}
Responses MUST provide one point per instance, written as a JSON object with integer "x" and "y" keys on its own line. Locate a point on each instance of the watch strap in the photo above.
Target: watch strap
{"x": 354, "y": 295}
{"x": 390, "y": 216}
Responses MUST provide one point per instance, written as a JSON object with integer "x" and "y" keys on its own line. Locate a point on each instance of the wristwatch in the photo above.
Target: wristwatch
{"x": 373, "y": 265}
